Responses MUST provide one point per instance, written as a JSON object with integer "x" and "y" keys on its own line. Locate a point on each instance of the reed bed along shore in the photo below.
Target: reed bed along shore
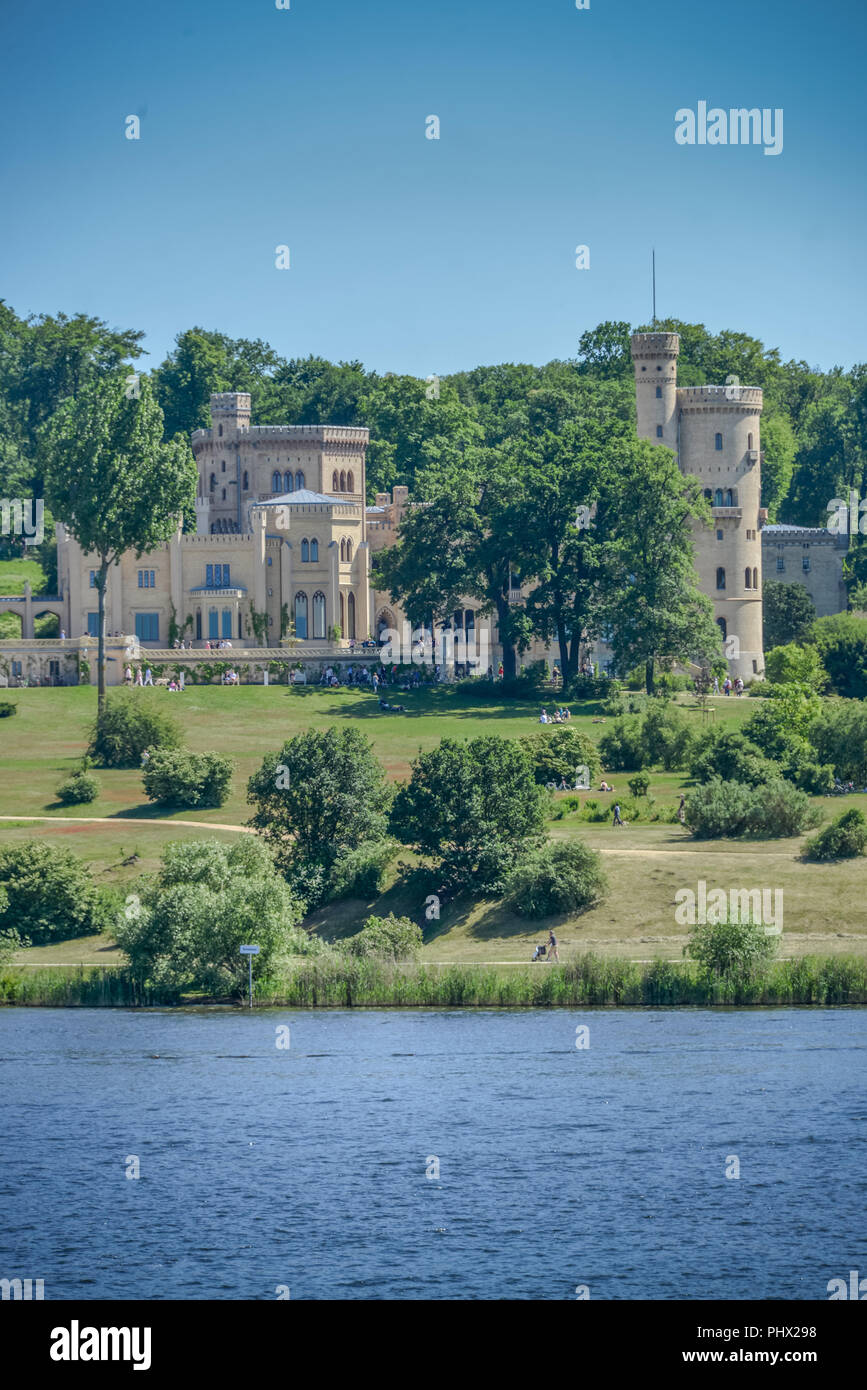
{"x": 590, "y": 980}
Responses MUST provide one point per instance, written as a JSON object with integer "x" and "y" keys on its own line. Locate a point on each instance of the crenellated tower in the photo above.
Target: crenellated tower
{"x": 714, "y": 433}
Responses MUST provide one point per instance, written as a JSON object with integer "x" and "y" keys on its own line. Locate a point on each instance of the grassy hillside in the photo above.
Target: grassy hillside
{"x": 646, "y": 864}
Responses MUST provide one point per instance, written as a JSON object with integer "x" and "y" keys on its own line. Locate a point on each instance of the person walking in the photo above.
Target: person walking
{"x": 138, "y": 676}
{"x": 553, "y": 953}
{"x": 148, "y": 676}
{"x": 618, "y": 819}
{"x": 681, "y": 810}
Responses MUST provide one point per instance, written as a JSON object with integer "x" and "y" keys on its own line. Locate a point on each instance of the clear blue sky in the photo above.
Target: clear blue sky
{"x": 307, "y": 127}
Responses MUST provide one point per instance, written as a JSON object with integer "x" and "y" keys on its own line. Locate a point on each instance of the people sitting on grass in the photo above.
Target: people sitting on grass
{"x": 543, "y": 717}
{"x": 605, "y": 786}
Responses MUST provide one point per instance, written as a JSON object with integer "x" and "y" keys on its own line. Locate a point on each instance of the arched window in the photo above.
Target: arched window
{"x": 755, "y": 578}
{"x": 350, "y": 631}
{"x": 342, "y": 617}
{"x": 348, "y": 548}
{"x": 720, "y": 578}
{"x": 314, "y": 550}
{"x": 335, "y": 482}
{"x": 305, "y": 551}
{"x": 275, "y": 481}
{"x": 342, "y": 481}
{"x": 318, "y": 614}
{"x": 728, "y": 501}
{"x": 246, "y": 484}
{"x": 718, "y": 497}
{"x": 301, "y": 616}
{"x": 299, "y": 480}
{"x": 721, "y": 624}
{"x": 350, "y": 482}
{"x": 213, "y": 481}
{"x": 343, "y": 550}
{"x": 708, "y": 492}
{"x": 718, "y": 441}
{"x": 748, "y": 578}
{"x": 287, "y": 482}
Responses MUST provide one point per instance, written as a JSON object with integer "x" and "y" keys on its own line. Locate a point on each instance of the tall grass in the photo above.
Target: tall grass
{"x": 328, "y": 982}
{"x": 83, "y": 987}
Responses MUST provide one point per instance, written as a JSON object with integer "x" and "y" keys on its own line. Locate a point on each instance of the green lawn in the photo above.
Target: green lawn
{"x": 823, "y": 904}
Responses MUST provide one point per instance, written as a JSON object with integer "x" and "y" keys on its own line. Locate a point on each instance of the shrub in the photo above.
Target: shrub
{"x": 584, "y": 687}
{"x": 395, "y": 937}
{"x": 839, "y": 737}
{"x": 360, "y": 872}
{"x": 557, "y": 753}
{"x": 81, "y": 787}
{"x": 733, "y": 809}
{"x": 175, "y": 777}
{"x": 622, "y": 747}
{"x": 131, "y": 722}
{"x": 842, "y": 643}
{"x": 733, "y": 757}
{"x": 666, "y": 735}
{"x": 205, "y": 902}
{"x": 7, "y": 708}
{"x": 795, "y": 664}
{"x": 559, "y": 876}
{"x": 844, "y": 838}
{"x": 47, "y": 895}
{"x": 639, "y": 784}
{"x": 730, "y": 948}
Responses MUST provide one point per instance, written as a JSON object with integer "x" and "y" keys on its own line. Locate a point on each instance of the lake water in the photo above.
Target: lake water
{"x": 305, "y": 1166}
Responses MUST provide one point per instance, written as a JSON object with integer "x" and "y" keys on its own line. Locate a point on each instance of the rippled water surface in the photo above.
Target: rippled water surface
{"x": 306, "y": 1166}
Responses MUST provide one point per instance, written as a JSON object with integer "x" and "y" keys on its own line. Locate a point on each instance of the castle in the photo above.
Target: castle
{"x": 284, "y": 537}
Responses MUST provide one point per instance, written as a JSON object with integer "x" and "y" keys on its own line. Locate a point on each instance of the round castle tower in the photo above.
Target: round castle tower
{"x": 714, "y": 432}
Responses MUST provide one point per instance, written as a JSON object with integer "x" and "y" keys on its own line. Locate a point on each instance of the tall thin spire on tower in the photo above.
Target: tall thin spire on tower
{"x": 654, "y": 286}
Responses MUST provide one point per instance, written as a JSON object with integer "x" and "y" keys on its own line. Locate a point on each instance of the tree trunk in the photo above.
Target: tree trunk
{"x": 510, "y": 656}
{"x": 649, "y": 683}
{"x": 100, "y": 658}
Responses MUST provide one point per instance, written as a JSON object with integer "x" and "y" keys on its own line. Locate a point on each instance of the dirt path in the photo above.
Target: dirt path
{"x": 133, "y": 820}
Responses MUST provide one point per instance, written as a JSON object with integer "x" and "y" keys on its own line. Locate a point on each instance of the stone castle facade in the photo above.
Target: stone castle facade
{"x": 281, "y": 553}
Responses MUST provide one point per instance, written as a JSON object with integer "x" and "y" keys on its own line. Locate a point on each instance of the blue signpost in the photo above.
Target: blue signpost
{"x": 250, "y": 952}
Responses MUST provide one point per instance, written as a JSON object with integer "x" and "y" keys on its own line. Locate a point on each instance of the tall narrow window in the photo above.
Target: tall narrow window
{"x": 209, "y": 576}
{"x": 723, "y": 627}
{"x": 299, "y": 480}
{"x": 350, "y": 482}
{"x": 659, "y": 393}
{"x": 335, "y": 482}
{"x": 659, "y": 431}
{"x": 226, "y": 627}
{"x": 718, "y": 441}
{"x": 305, "y": 551}
{"x": 718, "y": 497}
{"x": 314, "y": 550}
{"x": 275, "y": 482}
{"x": 213, "y": 481}
{"x": 223, "y": 466}
{"x": 748, "y": 578}
{"x": 342, "y": 617}
{"x": 749, "y": 441}
{"x": 213, "y": 624}
{"x": 318, "y": 614}
{"x": 301, "y": 616}
{"x": 288, "y": 484}
{"x": 350, "y": 604}
{"x": 720, "y": 578}
{"x": 728, "y": 495}
{"x": 348, "y": 548}
{"x": 342, "y": 481}
{"x": 781, "y": 564}
{"x": 246, "y": 484}
{"x": 755, "y": 578}
{"x": 198, "y": 624}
